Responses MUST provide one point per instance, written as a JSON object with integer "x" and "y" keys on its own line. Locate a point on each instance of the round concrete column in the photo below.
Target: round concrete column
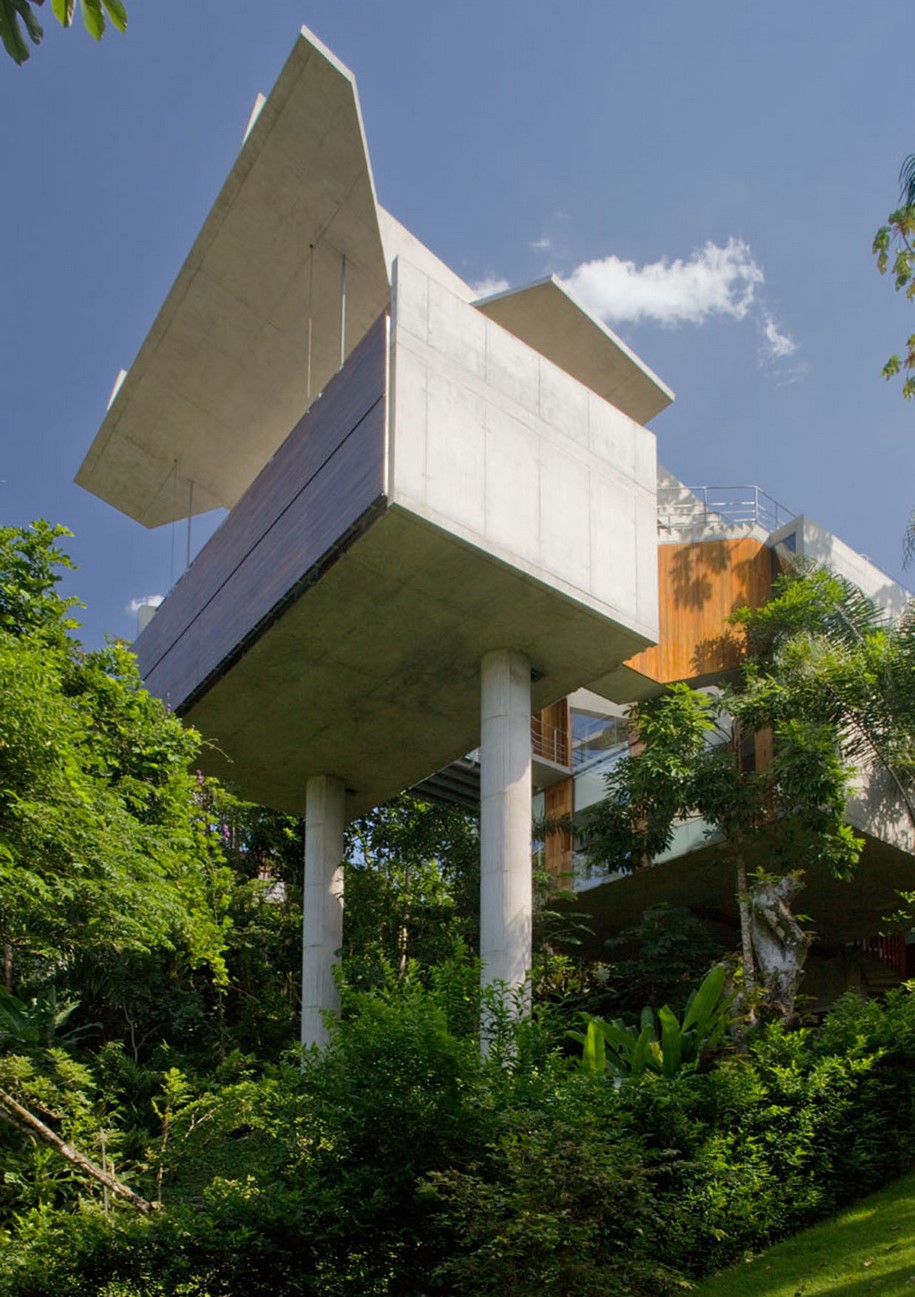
{"x": 322, "y": 917}
{"x": 505, "y": 818}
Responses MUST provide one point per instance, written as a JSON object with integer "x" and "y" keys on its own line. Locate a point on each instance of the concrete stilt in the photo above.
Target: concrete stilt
{"x": 505, "y": 818}
{"x": 322, "y": 918}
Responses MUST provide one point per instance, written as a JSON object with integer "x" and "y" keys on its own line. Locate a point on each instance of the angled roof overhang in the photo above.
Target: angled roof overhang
{"x": 251, "y": 330}
{"x": 549, "y": 319}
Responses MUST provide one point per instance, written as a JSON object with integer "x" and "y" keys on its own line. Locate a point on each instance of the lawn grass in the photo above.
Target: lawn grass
{"x": 868, "y": 1248}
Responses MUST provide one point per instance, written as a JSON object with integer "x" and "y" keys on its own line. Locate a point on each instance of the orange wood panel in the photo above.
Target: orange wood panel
{"x": 557, "y": 849}
{"x": 699, "y": 585}
{"x": 551, "y": 732}
{"x": 765, "y": 749}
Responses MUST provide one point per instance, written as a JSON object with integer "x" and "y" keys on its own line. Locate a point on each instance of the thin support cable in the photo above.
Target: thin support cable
{"x": 342, "y": 308}
{"x": 190, "y": 514}
{"x": 311, "y": 291}
{"x": 171, "y": 556}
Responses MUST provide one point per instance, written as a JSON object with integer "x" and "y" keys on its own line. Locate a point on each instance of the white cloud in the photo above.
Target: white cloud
{"x": 489, "y": 286}
{"x": 778, "y": 345}
{"x": 542, "y": 245}
{"x": 145, "y": 601}
{"x": 713, "y": 281}
{"x": 778, "y": 352}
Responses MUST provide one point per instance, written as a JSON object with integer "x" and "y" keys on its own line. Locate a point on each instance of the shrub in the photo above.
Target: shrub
{"x": 397, "y": 1163}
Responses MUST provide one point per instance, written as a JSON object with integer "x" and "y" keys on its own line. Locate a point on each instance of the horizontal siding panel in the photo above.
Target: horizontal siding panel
{"x": 323, "y": 479}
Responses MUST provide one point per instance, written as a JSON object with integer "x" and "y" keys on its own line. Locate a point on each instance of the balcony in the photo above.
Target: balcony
{"x": 711, "y": 508}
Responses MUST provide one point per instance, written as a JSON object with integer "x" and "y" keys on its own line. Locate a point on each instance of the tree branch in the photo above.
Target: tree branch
{"x": 24, "y": 1119}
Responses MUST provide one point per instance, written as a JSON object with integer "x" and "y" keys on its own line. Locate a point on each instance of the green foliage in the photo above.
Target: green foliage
{"x": 100, "y": 842}
{"x": 29, "y": 561}
{"x": 62, "y": 1092}
{"x": 412, "y": 885}
{"x": 36, "y": 1022}
{"x": 797, "y": 802}
{"x": 104, "y": 845}
{"x": 810, "y": 685}
{"x": 844, "y": 664}
{"x": 661, "y": 1043}
{"x": 894, "y": 252}
{"x": 658, "y": 960}
{"x": 398, "y": 1162}
{"x": 556, "y": 1208}
{"x": 765, "y": 1143}
{"x": 18, "y": 20}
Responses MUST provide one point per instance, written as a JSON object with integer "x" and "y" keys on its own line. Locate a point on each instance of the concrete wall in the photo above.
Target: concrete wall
{"x": 876, "y": 807}
{"x": 398, "y": 241}
{"x": 499, "y": 446}
{"x": 806, "y": 539}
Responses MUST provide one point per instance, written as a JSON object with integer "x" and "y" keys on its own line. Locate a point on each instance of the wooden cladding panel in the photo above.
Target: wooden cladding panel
{"x": 551, "y": 733}
{"x": 699, "y": 585}
{"x": 323, "y": 479}
{"x": 558, "y": 801}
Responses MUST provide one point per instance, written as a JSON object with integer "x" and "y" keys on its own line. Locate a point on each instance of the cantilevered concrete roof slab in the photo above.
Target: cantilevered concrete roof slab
{"x": 251, "y": 329}
{"x": 549, "y": 319}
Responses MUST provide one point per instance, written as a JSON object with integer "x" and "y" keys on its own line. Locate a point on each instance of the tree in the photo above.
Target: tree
{"x": 848, "y": 665}
{"x": 815, "y": 653}
{"x": 412, "y": 888}
{"x": 108, "y": 846}
{"x": 788, "y": 812}
{"x": 18, "y": 20}
{"x": 895, "y": 239}
{"x": 105, "y": 846}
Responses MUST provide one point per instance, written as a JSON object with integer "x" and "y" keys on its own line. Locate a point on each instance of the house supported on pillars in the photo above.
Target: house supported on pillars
{"x": 444, "y": 514}
{"x": 442, "y": 511}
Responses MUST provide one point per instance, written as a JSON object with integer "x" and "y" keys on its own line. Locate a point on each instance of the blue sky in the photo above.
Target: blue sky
{"x": 709, "y": 176}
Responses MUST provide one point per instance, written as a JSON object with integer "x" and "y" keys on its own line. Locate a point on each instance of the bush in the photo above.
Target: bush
{"x": 397, "y": 1163}
{"x": 561, "y": 1203}
{"x": 765, "y": 1144}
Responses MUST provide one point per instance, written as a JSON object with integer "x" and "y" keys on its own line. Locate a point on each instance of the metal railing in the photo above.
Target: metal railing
{"x": 889, "y": 951}
{"x": 549, "y": 742}
{"x": 721, "y": 507}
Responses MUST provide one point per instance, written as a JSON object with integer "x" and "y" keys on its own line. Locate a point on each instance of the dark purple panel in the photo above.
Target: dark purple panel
{"x": 326, "y": 476}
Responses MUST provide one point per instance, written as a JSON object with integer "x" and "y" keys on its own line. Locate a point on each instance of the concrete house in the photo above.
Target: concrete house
{"x": 443, "y": 513}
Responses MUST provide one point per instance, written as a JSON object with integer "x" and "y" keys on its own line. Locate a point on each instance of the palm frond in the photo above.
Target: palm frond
{"x": 907, "y": 181}
{"x": 908, "y": 539}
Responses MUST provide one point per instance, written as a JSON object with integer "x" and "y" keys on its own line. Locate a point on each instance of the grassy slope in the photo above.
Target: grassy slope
{"x": 869, "y": 1248}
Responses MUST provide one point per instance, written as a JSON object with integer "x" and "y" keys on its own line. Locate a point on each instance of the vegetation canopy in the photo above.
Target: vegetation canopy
{"x": 158, "y": 1133}
{"x": 19, "y": 20}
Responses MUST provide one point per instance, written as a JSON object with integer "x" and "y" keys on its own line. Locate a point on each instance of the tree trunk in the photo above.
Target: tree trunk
{"x": 780, "y": 943}
{"x": 22, "y": 1118}
{"x": 746, "y": 939}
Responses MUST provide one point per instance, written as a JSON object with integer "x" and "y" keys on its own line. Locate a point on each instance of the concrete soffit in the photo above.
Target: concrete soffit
{"x": 250, "y": 332}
